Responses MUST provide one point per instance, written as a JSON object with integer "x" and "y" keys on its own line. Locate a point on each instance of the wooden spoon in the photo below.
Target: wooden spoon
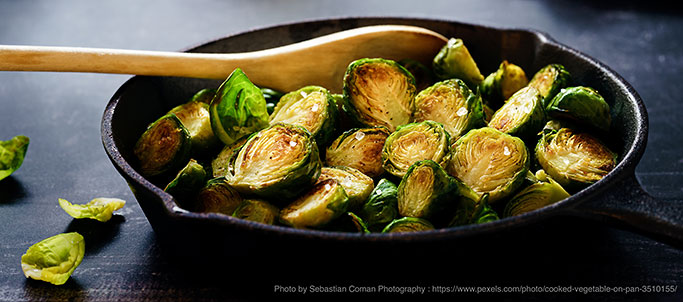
{"x": 319, "y": 61}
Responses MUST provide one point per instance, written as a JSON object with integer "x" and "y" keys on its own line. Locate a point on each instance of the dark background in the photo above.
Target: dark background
{"x": 61, "y": 113}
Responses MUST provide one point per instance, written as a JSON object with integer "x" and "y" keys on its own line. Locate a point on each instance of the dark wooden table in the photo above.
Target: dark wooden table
{"x": 125, "y": 261}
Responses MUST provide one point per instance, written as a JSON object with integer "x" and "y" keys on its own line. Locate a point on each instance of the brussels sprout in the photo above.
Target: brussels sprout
{"x": 272, "y": 98}
{"x": 466, "y": 204}
{"x": 257, "y": 210}
{"x": 489, "y": 161}
{"x": 382, "y": 205}
{"x": 357, "y": 185}
{"x": 488, "y": 113}
{"x": 452, "y": 104}
{"x": 455, "y": 61}
{"x": 222, "y": 163}
{"x": 378, "y": 92}
{"x": 483, "y": 212}
{"x": 311, "y": 107}
{"x": 12, "y": 153}
{"x": 100, "y": 209}
{"x": 217, "y": 197}
{"x": 195, "y": 117}
{"x": 277, "y": 162}
{"x": 238, "y": 109}
{"x": 583, "y": 105}
{"x": 522, "y": 115}
{"x": 424, "y": 77}
{"x": 549, "y": 80}
{"x": 359, "y": 148}
{"x": 425, "y": 191}
{"x": 54, "y": 259}
{"x": 502, "y": 84}
{"x": 163, "y": 147}
{"x": 574, "y": 159}
{"x": 408, "y": 225}
{"x": 534, "y": 197}
{"x": 358, "y": 223}
{"x": 414, "y": 142}
{"x": 187, "y": 182}
{"x": 326, "y": 201}
{"x": 204, "y": 95}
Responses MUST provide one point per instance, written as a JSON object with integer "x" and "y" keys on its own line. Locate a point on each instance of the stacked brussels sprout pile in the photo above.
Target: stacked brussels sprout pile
{"x": 392, "y": 153}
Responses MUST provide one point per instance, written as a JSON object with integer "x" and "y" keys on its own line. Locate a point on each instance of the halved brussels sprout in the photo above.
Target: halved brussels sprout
{"x": 311, "y": 107}
{"x": 217, "y": 197}
{"x": 574, "y": 159}
{"x": 272, "y": 97}
{"x": 549, "y": 80}
{"x": 357, "y": 185}
{"x": 522, "y": 115}
{"x": 239, "y": 109}
{"x": 425, "y": 191}
{"x": 455, "y": 61}
{"x": 408, "y": 225}
{"x": 100, "y": 209}
{"x": 378, "y": 92}
{"x": 382, "y": 205}
{"x": 326, "y": 201}
{"x": 187, "y": 182}
{"x": 163, "y": 147}
{"x": 257, "y": 210}
{"x": 424, "y": 77}
{"x": 503, "y": 83}
{"x": 195, "y": 117}
{"x": 278, "y": 162}
{"x": 204, "y": 95}
{"x": 452, "y": 104}
{"x": 414, "y": 142}
{"x": 359, "y": 148}
{"x": 222, "y": 163}
{"x": 534, "y": 197}
{"x": 54, "y": 259}
{"x": 581, "y": 104}
{"x": 12, "y": 153}
{"x": 489, "y": 161}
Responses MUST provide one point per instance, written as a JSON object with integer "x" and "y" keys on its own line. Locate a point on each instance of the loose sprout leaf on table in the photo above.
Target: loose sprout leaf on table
{"x": 12, "y": 153}
{"x": 54, "y": 259}
{"x": 100, "y": 209}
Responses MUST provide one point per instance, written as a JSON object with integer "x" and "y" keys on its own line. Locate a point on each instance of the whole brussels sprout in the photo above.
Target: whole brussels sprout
{"x": 549, "y": 80}
{"x": 359, "y": 148}
{"x": 357, "y": 185}
{"x": 277, "y": 162}
{"x": 12, "y": 153}
{"x": 382, "y": 206}
{"x": 522, "y": 115}
{"x": 452, "y": 104}
{"x": 574, "y": 159}
{"x": 257, "y": 210}
{"x": 414, "y": 142}
{"x": 378, "y": 92}
{"x": 489, "y": 161}
{"x": 455, "y": 61}
{"x": 163, "y": 147}
{"x": 187, "y": 183}
{"x": 238, "y": 109}
{"x": 503, "y": 83}
{"x": 534, "y": 197}
{"x": 217, "y": 197}
{"x": 425, "y": 191}
{"x": 326, "y": 201}
{"x": 311, "y": 107}
{"x": 583, "y": 105}
{"x": 196, "y": 118}
{"x": 408, "y": 225}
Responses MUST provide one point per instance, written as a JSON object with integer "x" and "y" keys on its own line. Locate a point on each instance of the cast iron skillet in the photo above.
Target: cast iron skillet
{"x": 617, "y": 198}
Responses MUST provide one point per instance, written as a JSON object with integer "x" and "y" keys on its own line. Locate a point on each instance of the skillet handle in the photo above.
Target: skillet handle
{"x": 627, "y": 205}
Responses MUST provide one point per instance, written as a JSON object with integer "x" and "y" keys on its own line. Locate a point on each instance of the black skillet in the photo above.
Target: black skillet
{"x": 617, "y": 199}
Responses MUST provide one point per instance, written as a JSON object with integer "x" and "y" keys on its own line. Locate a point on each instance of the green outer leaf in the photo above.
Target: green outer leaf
{"x": 534, "y": 197}
{"x": 204, "y": 95}
{"x": 483, "y": 212}
{"x": 583, "y": 105}
{"x": 100, "y": 209}
{"x": 239, "y": 108}
{"x": 439, "y": 152}
{"x": 382, "y": 205}
{"x": 12, "y": 153}
{"x": 54, "y": 259}
{"x": 455, "y": 61}
{"x": 408, "y": 224}
{"x": 150, "y": 146}
{"x": 549, "y": 80}
{"x": 437, "y": 199}
{"x": 358, "y": 223}
{"x": 357, "y": 111}
{"x": 323, "y": 130}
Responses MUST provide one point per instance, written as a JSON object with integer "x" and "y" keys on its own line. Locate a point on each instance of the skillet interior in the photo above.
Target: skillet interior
{"x": 143, "y": 99}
